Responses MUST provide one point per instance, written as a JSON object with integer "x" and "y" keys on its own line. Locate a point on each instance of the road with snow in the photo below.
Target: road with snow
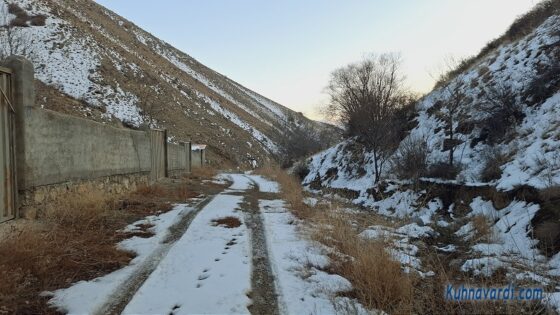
{"x": 238, "y": 252}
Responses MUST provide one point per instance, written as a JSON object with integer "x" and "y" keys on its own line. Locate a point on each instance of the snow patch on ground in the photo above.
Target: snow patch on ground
{"x": 302, "y": 287}
{"x": 265, "y": 185}
{"x": 87, "y": 297}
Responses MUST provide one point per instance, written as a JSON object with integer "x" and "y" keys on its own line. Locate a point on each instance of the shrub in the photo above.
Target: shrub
{"x": 503, "y": 112}
{"x": 16, "y": 10}
{"x": 38, "y": 20}
{"x": 300, "y": 141}
{"x": 19, "y": 22}
{"x": 493, "y": 160}
{"x": 444, "y": 170}
{"x": 410, "y": 161}
{"x": 545, "y": 84}
{"x": 301, "y": 170}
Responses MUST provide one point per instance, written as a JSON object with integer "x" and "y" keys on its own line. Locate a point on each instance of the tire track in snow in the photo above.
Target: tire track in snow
{"x": 263, "y": 288}
{"x": 127, "y": 290}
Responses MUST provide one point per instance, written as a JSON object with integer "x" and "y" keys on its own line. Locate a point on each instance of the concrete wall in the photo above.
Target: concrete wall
{"x": 196, "y": 158}
{"x": 59, "y": 154}
{"x": 62, "y": 148}
{"x": 176, "y": 157}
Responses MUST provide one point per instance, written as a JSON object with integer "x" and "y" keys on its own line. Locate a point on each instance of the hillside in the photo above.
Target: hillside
{"x": 497, "y": 211}
{"x": 93, "y": 63}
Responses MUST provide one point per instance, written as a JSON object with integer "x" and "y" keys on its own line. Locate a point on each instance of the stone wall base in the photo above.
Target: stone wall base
{"x": 34, "y": 201}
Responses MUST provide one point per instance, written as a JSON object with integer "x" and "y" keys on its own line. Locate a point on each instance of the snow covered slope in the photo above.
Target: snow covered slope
{"x": 517, "y": 206}
{"x": 91, "y": 62}
{"x": 531, "y": 148}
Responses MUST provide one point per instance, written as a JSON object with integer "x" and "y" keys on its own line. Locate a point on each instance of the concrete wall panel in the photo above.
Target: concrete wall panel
{"x": 61, "y": 148}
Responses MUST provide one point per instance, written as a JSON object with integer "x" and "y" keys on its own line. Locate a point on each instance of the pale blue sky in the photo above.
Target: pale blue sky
{"x": 285, "y": 49}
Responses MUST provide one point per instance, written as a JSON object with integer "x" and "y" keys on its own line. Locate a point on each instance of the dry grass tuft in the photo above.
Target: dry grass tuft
{"x": 482, "y": 228}
{"x": 205, "y": 172}
{"x": 378, "y": 281}
{"x": 227, "y": 222}
{"x": 290, "y": 189}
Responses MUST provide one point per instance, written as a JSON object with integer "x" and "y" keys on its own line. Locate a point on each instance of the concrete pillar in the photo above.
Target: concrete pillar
{"x": 165, "y": 144}
{"x": 203, "y": 157}
{"x": 23, "y": 80}
{"x": 188, "y": 150}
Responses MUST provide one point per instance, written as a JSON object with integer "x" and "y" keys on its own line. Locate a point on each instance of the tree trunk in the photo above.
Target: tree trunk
{"x": 376, "y": 167}
{"x": 452, "y": 148}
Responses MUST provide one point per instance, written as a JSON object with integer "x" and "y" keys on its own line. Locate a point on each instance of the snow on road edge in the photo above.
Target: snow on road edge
{"x": 302, "y": 287}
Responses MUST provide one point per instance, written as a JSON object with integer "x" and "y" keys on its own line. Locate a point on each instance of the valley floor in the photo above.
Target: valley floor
{"x": 252, "y": 245}
{"x": 239, "y": 251}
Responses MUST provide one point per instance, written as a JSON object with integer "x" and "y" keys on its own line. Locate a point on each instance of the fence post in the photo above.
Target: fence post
{"x": 188, "y": 147}
{"x": 158, "y": 140}
{"x": 23, "y": 80}
{"x": 203, "y": 157}
{"x": 166, "y": 169}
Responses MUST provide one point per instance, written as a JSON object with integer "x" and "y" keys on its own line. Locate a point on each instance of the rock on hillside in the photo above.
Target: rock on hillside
{"x": 91, "y": 62}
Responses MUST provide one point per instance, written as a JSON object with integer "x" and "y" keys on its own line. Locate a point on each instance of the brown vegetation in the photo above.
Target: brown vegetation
{"x": 290, "y": 189}
{"x": 366, "y": 97}
{"x": 492, "y": 170}
{"x": 204, "y": 172}
{"x": 74, "y": 239}
{"x": 379, "y": 281}
{"x": 410, "y": 160}
{"x": 227, "y": 222}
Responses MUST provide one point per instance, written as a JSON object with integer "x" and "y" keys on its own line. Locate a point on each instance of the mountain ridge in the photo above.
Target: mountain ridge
{"x": 92, "y": 63}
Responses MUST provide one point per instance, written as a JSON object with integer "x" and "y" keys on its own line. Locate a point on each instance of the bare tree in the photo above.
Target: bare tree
{"x": 364, "y": 97}
{"x": 13, "y": 40}
{"x": 451, "y": 111}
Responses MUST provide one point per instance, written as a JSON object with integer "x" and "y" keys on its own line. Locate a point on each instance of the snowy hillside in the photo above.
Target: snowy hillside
{"x": 533, "y": 147}
{"x": 93, "y": 63}
{"x": 518, "y": 206}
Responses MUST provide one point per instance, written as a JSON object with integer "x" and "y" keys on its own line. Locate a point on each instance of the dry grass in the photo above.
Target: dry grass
{"x": 178, "y": 193}
{"x": 73, "y": 239}
{"x": 482, "y": 228}
{"x": 227, "y": 222}
{"x": 205, "y": 172}
{"x": 290, "y": 189}
{"x": 378, "y": 280}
